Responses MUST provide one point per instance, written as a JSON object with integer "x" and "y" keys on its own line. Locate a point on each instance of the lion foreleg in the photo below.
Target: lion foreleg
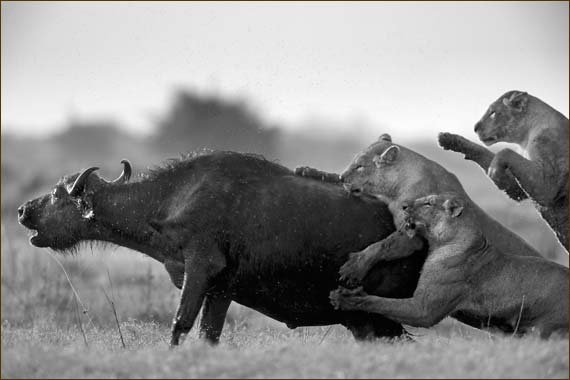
{"x": 395, "y": 246}
{"x": 484, "y": 158}
{"x": 424, "y": 309}
{"x": 530, "y": 175}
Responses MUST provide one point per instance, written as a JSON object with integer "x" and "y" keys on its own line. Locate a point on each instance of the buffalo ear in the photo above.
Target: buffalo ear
{"x": 453, "y": 207}
{"x": 518, "y": 100}
{"x": 388, "y": 157}
{"x": 385, "y": 137}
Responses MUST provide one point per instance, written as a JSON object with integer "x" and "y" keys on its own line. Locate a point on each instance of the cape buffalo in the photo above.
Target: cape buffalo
{"x": 232, "y": 227}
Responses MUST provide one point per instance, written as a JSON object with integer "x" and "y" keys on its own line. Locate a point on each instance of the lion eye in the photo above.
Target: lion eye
{"x": 492, "y": 115}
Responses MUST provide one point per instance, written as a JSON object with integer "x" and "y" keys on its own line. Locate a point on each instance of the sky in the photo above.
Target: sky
{"x": 409, "y": 69}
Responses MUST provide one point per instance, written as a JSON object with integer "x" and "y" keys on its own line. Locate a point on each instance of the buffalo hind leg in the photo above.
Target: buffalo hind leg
{"x": 201, "y": 264}
{"x": 214, "y": 313}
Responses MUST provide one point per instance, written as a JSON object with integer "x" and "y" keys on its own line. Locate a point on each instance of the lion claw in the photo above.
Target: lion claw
{"x": 343, "y": 298}
{"x": 459, "y": 144}
{"x": 353, "y": 271}
{"x": 445, "y": 140}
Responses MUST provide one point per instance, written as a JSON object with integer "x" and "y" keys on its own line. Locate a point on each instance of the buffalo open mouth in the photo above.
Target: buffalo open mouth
{"x": 34, "y": 235}
{"x": 36, "y": 239}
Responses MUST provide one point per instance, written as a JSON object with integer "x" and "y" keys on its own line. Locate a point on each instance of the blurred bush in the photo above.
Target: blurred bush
{"x": 196, "y": 122}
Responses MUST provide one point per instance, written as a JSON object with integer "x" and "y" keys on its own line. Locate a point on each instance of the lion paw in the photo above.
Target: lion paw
{"x": 347, "y": 299}
{"x": 354, "y": 270}
{"x": 450, "y": 141}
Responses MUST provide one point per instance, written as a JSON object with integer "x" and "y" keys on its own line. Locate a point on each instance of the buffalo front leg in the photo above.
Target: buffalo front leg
{"x": 201, "y": 265}
{"x": 422, "y": 310}
{"x": 214, "y": 313}
{"x": 397, "y": 245}
{"x": 175, "y": 270}
{"x": 482, "y": 157}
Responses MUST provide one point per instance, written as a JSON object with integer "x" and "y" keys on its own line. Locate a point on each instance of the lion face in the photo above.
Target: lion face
{"x": 434, "y": 216}
{"x": 375, "y": 170}
{"x": 503, "y": 120}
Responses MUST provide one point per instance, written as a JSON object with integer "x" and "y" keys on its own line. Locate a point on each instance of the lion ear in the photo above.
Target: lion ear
{"x": 389, "y": 156}
{"x": 385, "y": 137}
{"x": 517, "y": 100}
{"x": 453, "y": 207}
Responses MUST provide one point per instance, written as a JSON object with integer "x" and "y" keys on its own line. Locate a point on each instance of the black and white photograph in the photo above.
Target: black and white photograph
{"x": 285, "y": 189}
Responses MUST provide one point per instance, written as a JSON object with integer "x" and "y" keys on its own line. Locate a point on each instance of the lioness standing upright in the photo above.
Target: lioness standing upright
{"x": 542, "y": 132}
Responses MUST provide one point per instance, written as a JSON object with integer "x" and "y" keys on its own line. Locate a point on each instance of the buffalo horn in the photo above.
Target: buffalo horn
{"x": 79, "y": 183}
{"x": 126, "y": 174}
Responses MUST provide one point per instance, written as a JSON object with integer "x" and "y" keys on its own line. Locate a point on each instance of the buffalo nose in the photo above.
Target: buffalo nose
{"x": 477, "y": 126}
{"x": 23, "y": 213}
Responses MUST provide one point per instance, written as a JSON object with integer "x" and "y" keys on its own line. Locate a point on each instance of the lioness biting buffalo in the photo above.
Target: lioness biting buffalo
{"x": 465, "y": 272}
{"x": 397, "y": 174}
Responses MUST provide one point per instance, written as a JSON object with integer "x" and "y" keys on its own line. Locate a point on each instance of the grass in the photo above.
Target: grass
{"x": 43, "y": 351}
{"x": 42, "y": 332}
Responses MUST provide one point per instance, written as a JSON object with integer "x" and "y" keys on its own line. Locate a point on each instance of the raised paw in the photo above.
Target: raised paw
{"x": 457, "y": 143}
{"x": 450, "y": 141}
{"x": 348, "y": 299}
{"x": 355, "y": 269}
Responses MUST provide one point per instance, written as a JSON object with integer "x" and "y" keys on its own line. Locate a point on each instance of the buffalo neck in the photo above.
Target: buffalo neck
{"x": 123, "y": 212}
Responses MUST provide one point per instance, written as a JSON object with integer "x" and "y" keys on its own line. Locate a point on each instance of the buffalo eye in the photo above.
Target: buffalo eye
{"x": 492, "y": 115}
{"x": 58, "y": 192}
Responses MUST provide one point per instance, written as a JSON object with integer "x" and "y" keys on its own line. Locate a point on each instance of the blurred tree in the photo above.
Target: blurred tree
{"x": 98, "y": 142}
{"x": 195, "y": 122}
{"x": 89, "y": 138}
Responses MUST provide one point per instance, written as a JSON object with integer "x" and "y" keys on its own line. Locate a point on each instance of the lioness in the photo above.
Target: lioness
{"x": 542, "y": 132}
{"x": 466, "y": 272}
{"x": 395, "y": 174}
